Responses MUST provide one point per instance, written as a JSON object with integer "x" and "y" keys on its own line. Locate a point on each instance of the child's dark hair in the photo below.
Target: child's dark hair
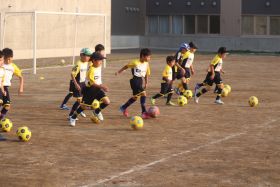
{"x": 145, "y": 52}
{"x": 99, "y": 47}
{"x": 7, "y": 52}
{"x": 170, "y": 59}
{"x": 1, "y": 54}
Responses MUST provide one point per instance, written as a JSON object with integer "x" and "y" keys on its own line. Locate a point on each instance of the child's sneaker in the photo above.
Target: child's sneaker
{"x": 99, "y": 115}
{"x": 72, "y": 122}
{"x": 219, "y": 101}
{"x": 70, "y": 117}
{"x": 145, "y": 115}
{"x": 196, "y": 99}
{"x": 64, "y": 107}
{"x": 83, "y": 114}
{"x": 170, "y": 103}
{"x": 124, "y": 111}
{"x": 153, "y": 101}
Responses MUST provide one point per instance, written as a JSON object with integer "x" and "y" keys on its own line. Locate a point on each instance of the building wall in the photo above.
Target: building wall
{"x": 55, "y": 33}
{"x": 231, "y": 17}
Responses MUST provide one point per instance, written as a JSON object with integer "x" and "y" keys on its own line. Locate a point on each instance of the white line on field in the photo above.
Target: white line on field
{"x": 145, "y": 166}
{"x": 51, "y": 67}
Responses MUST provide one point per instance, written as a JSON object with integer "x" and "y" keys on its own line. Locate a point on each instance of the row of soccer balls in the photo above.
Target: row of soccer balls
{"x": 23, "y": 133}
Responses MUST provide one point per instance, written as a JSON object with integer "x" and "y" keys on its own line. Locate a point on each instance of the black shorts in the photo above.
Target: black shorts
{"x": 176, "y": 74}
{"x": 73, "y": 89}
{"x": 91, "y": 93}
{"x": 217, "y": 79}
{"x": 136, "y": 84}
{"x": 6, "y": 99}
{"x": 188, "y": 73}
{"x": 165, "y": 88}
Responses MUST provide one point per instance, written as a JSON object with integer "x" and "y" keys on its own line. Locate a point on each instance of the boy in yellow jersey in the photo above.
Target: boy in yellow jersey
{"x": 166, "y": 85}
{"x": 94, "y": 89}
{"x": 213, "y": 76}
{"x": 187, "y": 64}
{"x": 140, "y": 70}
{"x": 11, "y": 70}
{"x": 78, "y": 78}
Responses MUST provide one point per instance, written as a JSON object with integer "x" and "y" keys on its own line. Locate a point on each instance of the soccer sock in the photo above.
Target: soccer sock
{"x": 169, "y": 97}
{"x": 128, "y": 103}
{"x": 216, "y": 88}
{"x": 157, "y": 96}
{"x": 3, "y": 113}
{"x": 143, "y": 101}
{"x": 75, "y": 115}
{"x": 102, "y": 106}
{"x": 66, "y": 99}
{"x": 201, "y": 84}
{"x": 203, "y": 91}
{"x": 74, "y": 108}
{"x": 219, "y": 93}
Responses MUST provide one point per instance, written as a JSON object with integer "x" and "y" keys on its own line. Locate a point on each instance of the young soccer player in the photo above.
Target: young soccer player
{"x": 140, "y": 70}
{"x": 178, "y": 70}
{"x": 94, "y": 90}
{"x": 187, "y": 64}
{"x": 2, "y": 78}
{"x": 213, "y": 76}
{"x": 11, "y": 70}
{"x": 166, "y": 85}
{"x": 77, "y": 77}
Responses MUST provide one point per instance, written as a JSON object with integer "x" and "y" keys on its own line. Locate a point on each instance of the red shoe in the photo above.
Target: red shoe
{"x": 124, "y": 111}
{"x": 145, "y": 115}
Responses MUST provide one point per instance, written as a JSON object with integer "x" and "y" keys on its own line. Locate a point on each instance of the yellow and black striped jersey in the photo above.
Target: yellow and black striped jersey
{"x": 167, "y": 72}
{"x": 217, "y": 62}
{"x": 139, "y": 69}
{"x": 79, "y": 71}
{"x": 93, "y": 76}
{"x": 11, "y": 69}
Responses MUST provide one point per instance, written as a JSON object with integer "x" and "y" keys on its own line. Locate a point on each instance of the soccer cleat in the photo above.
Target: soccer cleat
{"x": 170, "y": 103}
{"x": 219, "y": 101}
{"x": 153, "y": 101}
{"x": 64, "y": 107}
{"x": 99, "y": 115}
{"x": 83, "y": 114}
{"x": 70, "y": 117}
{"x": 145, "y": 115}
{"x": 124, "y": 111}
{"x": 72, "y": 122}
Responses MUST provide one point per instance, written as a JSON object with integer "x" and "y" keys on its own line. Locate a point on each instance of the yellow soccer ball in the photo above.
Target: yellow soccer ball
{"x": 225, "y": 92}
{"x": 94, "y": 119}
{"x": 95, "y": 104}
{"x": 6, "y": 125}
{"x": 253, "y": 101}
{"x": 228, "y": 87}
{"x": 188, "y": 94}
{"x": 136, "y": 122}
{"x": 24, "y": 134}
{"x": 182, "y": 100}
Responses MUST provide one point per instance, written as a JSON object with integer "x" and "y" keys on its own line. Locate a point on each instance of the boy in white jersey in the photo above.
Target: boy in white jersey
{"x": 166, "y": 85}
{"x": 2, "y": 78}
{"x": 94, "y": 89}
{"x": 140, "y": 70}
{"x": 187, "y": 64}
{"x": 11, "y": 70}
{"x": 77, "y": 79}
{"x": 213, "y": 76}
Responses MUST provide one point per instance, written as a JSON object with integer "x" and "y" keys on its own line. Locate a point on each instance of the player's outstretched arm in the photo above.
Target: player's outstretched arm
{"x": 20, "y": 90}
{"x": 121, "y": 70}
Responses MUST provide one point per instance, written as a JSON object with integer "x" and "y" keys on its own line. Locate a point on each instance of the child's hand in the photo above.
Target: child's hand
{"x": 105, "y": 88}
{"x": 192, "y": 71}
{"x": 20, "y": 91}
{"x": 212, "y": 77}
{"x": 78, "y": 87}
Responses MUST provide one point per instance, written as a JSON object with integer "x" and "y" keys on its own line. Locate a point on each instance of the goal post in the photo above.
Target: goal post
{"x": 59, "y": 32}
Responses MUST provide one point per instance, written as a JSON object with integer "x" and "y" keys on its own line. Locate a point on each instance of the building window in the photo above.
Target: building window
{"x": 153, "y": 24}
{"x": 164, "y": 24}
{"x": 214, "y": 24}
{"x": 248, "y": 25}
{"x": 190, "y": 24}
{"x": 261, "y": 25}
{"x": 202, "y": 24}
{"x": 275, "y": 25}
{"x": 177, "y": 24}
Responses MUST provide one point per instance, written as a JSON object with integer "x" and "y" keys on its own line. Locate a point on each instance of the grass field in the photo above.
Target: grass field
{"x": 197, "y": 145}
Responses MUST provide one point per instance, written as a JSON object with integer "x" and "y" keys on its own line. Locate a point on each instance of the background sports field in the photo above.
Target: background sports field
{"x": 195, "y": 145}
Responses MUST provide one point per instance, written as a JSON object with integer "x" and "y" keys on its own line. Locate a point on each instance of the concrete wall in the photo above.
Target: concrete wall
{"x": 230, "y": 17}
{"x": 125, "y": 42}
{"x": 55, "y": 33}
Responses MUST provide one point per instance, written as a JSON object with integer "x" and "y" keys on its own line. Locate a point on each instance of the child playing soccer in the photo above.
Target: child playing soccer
{"x": 166, "y": 85}
{"x": 11, "y": 70}
{"x": 94, "y": 89}
{"x": 140, "y": 70}
{"x": 213, "y": 76}
{"x": 2, "y": 78}
{"x": 187, "y": 64}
